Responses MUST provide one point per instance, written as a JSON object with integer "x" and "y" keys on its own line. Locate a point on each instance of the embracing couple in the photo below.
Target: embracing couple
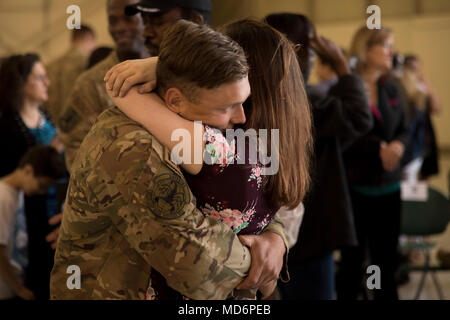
{"x": 140, "y": 227}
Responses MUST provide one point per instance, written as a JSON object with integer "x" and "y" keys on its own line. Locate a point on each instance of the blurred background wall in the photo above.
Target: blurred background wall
{"x": 420, "y": 26}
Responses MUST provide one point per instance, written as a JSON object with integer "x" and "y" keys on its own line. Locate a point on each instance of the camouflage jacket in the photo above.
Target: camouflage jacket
{"x": 62, "y": 74}
{"x": 86, "y": 101}
{"x": 129, "y": 210}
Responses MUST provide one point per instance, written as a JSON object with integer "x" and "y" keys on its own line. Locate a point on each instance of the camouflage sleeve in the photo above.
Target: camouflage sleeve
{"x": 277, "y": 227}
{"x": 77, "y": 117}
{"x": 153, "y": 208}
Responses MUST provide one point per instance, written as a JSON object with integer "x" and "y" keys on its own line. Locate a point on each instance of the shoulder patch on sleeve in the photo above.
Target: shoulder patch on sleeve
{"x": 168, "y": 195}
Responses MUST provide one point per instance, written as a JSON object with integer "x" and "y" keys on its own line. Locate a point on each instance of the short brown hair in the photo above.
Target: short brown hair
{"x": 45, "y": 161}
{"x": 78, "y": 34}
{"x": 193, "y": 55}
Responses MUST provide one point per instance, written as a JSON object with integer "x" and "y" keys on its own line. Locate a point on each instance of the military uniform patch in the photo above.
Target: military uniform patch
{"x": 167, "y": 196}
{"x": 69, "y": 120}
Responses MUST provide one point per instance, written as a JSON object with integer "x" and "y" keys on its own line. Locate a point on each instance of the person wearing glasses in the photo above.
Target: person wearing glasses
{"x": 24, "y": 88}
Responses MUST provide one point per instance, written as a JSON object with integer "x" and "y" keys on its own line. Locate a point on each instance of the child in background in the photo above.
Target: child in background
{"x": 39, "y": 168}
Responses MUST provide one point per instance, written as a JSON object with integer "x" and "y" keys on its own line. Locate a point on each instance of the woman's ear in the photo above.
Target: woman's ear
{"x": 174, "y": 100}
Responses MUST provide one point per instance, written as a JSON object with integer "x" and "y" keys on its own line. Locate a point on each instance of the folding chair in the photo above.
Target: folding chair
{"x": 421, "y": 219}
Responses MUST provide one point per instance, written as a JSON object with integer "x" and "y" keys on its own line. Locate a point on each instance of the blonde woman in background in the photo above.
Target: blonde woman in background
{"x": 374, "y": 171}
{"x": 422, "y": 154}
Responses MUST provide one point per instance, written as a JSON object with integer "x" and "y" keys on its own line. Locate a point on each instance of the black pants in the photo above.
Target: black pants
{"x": 312, "y": 279}
{"x": 40, "y": 253}
{"x": 377, "y": 222}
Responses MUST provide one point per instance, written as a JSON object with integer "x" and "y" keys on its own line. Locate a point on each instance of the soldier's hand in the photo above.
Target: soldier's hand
{"x": 52, "y": 237}
{"x": 25, "y": 294}
{"x": 120, "y": 78}
{"x": 267, "y": 252}
{"x": 268, "y": 289}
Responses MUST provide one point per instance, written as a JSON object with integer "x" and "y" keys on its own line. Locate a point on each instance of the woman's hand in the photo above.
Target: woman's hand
{"x": 391, "y": 155}
{"x": 57, "y": 144}
{"x": 120, "y": 78}
{"x": 267, "y": 251}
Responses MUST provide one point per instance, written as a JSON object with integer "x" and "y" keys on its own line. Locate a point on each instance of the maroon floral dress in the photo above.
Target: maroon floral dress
{"x": 231, "y": 192}
{"x": 225, "y": 190}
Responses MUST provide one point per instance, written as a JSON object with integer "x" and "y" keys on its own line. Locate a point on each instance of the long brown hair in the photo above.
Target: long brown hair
{"x": 278, "y": 101}
{"x": 14, "y": 73}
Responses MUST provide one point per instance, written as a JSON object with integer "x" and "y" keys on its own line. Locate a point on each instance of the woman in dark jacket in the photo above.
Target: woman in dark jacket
{"x": 374, "y": 170}
{"x": 23, "y": 88}
{"x": 340, "y": 117}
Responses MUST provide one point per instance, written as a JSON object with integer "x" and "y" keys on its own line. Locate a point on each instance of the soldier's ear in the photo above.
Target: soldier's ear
{"x": 174, "y": 99}
{"x": 197, "y": 18}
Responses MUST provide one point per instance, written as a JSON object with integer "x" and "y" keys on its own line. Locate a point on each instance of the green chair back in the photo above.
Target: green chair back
{"x": 426, "y": 218}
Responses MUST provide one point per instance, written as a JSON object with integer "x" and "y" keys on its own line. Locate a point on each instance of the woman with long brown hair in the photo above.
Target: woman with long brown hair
{"x": 340, "y": 116}
{"x": 278, "y": 102}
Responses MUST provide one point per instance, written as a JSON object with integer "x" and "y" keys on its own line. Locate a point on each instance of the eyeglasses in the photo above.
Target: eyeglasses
{"x": 41, "y": 77}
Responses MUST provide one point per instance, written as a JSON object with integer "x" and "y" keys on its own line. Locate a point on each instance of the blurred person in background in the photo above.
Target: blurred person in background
{"x": 159, "y": 15}
{"x": 421, "y": 156}
{"x": 326, "y": 75}
{"x": 65, "y": 70}
{"x": 23, "y": 88}
{"x": 88, "y": 97}
{"x": 98, "y": 55}
{"x": 374, "y": 170}
{"x": 341, "y": 116}
{"x": 39, "y": 168}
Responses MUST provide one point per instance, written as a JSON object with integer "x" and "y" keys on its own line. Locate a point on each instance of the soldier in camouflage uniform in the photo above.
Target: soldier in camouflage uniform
{"x": 65, "y": 70}
{"x": 88, "y": 97}
{"x": 129, "y": 209}
{"x": 87, "y": 100}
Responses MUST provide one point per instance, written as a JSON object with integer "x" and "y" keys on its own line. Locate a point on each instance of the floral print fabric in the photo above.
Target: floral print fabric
{"x": 228, "y": 191}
